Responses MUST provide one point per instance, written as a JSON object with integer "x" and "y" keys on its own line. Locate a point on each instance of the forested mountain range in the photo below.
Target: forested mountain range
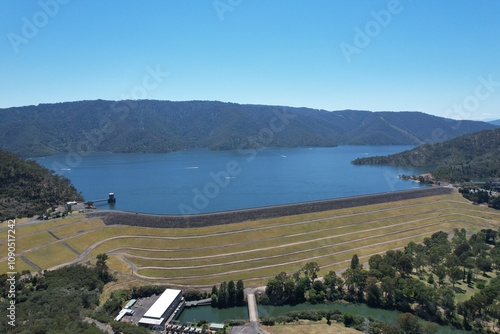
{"x": 27, "y": 189}
{"x": 475, "y": 155}
{"x": 164, "y": 126}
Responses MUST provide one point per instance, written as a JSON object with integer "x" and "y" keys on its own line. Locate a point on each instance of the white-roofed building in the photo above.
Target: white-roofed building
{"x": 163, "y": 308}
{"x": 123, "y": 313}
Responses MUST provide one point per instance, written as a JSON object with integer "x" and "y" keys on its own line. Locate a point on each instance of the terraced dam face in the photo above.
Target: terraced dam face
{"x": 252, "y": 250}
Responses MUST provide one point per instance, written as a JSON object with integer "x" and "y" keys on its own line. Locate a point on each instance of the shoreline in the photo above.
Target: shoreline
{"x": 111, "y": 217}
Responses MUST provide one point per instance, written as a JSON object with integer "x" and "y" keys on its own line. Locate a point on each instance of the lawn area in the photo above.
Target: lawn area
{"x": 33, "y": 240}
{"x": 74, "y": 229}
{"x": 303, "y": 327}
{"x": 45, "y": 224}
{"x": 117, "y": 264}
{"x": 470, "y": 291}
{"x": 51, "y": 255}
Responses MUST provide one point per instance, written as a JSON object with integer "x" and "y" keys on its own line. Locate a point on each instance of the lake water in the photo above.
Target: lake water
{"x": 210, "y": 314}
{"x": 200, "y": 181}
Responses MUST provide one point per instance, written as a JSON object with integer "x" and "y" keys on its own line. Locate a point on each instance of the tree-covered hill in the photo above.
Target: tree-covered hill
{"x": 164, "y": 126}
{"x": 467, "y": 157}
{"x": 26, "y": 188}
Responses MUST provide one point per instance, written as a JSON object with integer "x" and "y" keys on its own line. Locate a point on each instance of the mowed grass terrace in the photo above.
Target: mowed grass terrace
{"x": 253, "y": 251}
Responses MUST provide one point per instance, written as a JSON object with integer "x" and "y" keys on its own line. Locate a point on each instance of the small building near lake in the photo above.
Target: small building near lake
{"x": 216, "y": 327}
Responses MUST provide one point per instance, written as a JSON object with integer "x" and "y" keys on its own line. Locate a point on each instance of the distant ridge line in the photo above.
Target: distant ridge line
{"x": 237, "y": 216}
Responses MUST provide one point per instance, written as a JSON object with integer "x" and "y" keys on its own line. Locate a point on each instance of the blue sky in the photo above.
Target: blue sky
{"x": 439, "y": 57}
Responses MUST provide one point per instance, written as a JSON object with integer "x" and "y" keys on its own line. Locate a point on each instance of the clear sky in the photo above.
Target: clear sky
{"x": 439, "y": 57}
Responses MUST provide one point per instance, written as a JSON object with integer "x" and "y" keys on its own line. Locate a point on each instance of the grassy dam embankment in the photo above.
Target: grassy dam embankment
{"x": 253, "y": 244}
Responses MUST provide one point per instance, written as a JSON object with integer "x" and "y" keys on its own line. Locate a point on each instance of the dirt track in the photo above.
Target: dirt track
{"x": 228, "y": 217}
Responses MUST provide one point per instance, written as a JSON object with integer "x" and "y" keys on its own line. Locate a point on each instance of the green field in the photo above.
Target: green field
{"x": 254, "y": 250}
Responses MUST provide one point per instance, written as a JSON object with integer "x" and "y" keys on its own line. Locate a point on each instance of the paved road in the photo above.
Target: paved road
{"x": 103, "y": 327}
{"x": 253, "y": 315}
{"x": 252, "y": 308}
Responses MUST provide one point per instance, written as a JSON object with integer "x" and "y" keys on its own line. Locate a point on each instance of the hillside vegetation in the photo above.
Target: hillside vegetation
{"x": 26, "y": 188}
{"x": 467, "y": 157}
{"x": 164, "y": 126}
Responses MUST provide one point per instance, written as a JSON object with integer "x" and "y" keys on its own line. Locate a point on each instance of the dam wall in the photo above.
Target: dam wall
{"x": 111, "y": 217}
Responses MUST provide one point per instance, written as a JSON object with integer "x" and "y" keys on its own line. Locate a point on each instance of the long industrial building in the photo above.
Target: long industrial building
{"x": 167, "y": 305}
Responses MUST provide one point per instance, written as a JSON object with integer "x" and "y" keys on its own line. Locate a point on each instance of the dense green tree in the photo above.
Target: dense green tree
{"x": 392, "y": 257}
{"x": 462, "y": 248}
{"x": 223, "y": 296}
{"x": 469, "y": 277}
{"x": 388, "y": 286}
{"x": 459, "y": 237}
{"x": 409, "y": 324}
{"x": 311, "y": 270}
{"x": 101, "y": 260}
{"x": 426, "y": 297}
{"x": 214, "y": 300}
{"x": 348, "y": 320}
{"x": 373, "y": 292}
{"x": 55, "y": 301}
{"x": 355, "y": 279}
{"x": 451, "y": 260}
{"x": 440, "y": 272}
{"x": 447, "y": 302}
{"x": 318, "y": 293}
{"x": 490, "y": 236}
{"x": 455, "y": 274}
{"x": 419, "y": 261}
{"x": 478, "y": 243}
{"x": 437, "y": 255}
{"x": 231, "y": 294}
{"x": 495, "y": 202}
{"x": 484, "y": 263}
{"x": 301, "y": 287}
{"x": 355, "y": 262}
{"x": 335, "y": 285}
{"x": 493, "y": 310}
{"x": 28, "y": 189}
{"x": 404, "y": 265}
{"x": 374, "y": 261}
{"x": 281, "y": 289}
{"x": 495, "y": 256}
{"x": 386, "y": 270}
{"x": 240, "y": 293}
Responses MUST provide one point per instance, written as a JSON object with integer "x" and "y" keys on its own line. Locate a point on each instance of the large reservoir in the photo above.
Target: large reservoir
{"x": 201, "y": 181}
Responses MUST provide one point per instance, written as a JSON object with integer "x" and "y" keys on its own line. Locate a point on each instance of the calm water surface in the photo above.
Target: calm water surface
{"x": 202, "y": 181}
{"x": 217, "y": 315}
